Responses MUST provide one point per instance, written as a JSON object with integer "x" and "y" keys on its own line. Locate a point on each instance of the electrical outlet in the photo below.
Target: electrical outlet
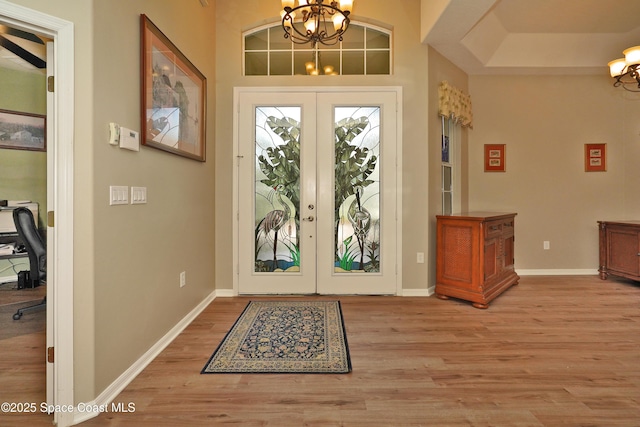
{"x": 546, "y": 245}
{"x": 420, "y": 257}
{"x": 183, "y": 279}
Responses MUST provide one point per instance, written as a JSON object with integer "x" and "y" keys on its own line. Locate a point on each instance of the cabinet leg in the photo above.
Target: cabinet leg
{"x": 480, "y": 305}
{"x": 442, "y": 296}
{"x": 603, "y": 274}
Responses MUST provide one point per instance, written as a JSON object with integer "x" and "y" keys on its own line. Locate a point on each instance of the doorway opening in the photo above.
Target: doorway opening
{"x": 317, "y": 197}
{"x": 59, "y": 199}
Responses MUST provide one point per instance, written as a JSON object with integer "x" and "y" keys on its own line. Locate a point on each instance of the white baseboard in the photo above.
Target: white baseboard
{"x": 557, "y": 272}
{"x": 110, "y": 393}
{"x": 418, "y": 292}
{"x": 225, "y": 293}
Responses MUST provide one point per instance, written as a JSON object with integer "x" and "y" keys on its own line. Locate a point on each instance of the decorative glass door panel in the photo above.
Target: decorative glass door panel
{"x": 357, "y": 251}
{"x": 277, "y": 189}
{"x": 276, "y": 193}
{"x": 357, "y": 189}
{"x": 316, "y": 193}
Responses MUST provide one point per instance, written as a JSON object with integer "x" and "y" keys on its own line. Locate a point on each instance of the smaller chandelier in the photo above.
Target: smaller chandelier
{"x": 626, "y": 71}
{"x": 312, "y": 26}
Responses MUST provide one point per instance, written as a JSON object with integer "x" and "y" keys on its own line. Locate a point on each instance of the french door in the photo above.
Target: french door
{"x": 316, "y": 192}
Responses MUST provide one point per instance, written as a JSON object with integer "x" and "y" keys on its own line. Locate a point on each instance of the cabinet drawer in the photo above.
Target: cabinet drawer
{"x": 493, "y": 228}
{"x": 507, "y": 227}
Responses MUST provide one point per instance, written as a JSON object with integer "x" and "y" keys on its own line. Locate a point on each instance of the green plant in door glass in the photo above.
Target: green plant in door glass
{"x": 353, "y": 164}
{"x": 346, "y": 257}
{"x": 281, "y": 163}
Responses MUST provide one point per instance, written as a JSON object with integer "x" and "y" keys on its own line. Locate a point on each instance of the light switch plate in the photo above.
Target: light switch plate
{"x": 138, "y": 195}
{"x": 118, "y": 195}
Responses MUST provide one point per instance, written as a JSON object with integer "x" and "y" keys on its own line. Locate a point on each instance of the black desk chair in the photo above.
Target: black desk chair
{"x": 37, "y": 251}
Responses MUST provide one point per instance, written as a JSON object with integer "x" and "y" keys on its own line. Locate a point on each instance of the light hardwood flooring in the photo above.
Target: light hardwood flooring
{"x": 552, "y": 351}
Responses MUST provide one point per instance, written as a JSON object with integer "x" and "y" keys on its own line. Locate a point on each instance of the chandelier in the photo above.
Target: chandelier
{"x": 626, "y": 71}
{"x": 312, "y": 26}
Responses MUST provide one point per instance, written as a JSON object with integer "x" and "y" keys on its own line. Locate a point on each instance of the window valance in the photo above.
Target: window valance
{"x": 455, "y": 104}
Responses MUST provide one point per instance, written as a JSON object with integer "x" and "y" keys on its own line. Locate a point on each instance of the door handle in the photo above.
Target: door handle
{"x": 309, "y": 218}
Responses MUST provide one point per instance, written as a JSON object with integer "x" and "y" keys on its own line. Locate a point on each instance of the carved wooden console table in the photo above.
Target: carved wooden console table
{"x": 475, "y": 256}
{"x": 620, "y": 249}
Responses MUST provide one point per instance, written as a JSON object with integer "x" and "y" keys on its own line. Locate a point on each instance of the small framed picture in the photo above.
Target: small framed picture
{"x": 595, "y": 157}
{"x": 23, "y": 131}
{"x": 494, "y": 158}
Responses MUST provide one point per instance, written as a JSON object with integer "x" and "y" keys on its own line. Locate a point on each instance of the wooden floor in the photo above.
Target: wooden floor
{"x": 22, "y": 350}
{"x": 552, "y": 351}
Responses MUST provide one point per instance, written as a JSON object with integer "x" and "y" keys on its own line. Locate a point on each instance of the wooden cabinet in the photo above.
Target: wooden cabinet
{"x": 475, "y": 256}
{"x": 620, "y": 249}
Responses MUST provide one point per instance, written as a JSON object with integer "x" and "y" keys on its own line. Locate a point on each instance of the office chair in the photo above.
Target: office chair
{"x": 37, "y": 251}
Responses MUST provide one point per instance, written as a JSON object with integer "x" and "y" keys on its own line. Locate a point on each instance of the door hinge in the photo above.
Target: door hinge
{"x": 50, "y": 354}
{"x": 50, "y": 219}
{"x": 50, "y": 83}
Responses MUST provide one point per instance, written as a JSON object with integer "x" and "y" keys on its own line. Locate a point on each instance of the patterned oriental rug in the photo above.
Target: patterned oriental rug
{"x": 306, "y": 337}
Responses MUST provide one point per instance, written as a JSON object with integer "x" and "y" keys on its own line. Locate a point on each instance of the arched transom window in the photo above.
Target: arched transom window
{"x": 365, "y": 50}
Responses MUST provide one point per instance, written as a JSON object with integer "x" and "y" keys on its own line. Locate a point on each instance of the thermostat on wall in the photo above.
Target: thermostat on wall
{"x": 129, "y": 139}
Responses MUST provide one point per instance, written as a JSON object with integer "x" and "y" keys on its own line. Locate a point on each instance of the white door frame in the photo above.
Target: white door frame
{"x": 236, "y": 165}
{"x": 60, "y": 173}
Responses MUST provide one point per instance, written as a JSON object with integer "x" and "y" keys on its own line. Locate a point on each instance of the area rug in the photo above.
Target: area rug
{"x": 284, "y": 337}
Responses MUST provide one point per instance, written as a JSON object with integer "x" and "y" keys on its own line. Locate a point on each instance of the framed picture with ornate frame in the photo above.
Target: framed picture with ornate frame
{"x": 494, "y": 158}
{"x": 173, "y": 96}
{"x": 23, "y": 131}
{"x": 595, "y": 157}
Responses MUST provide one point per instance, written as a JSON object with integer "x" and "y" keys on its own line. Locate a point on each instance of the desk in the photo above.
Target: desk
{"x": 6, "y": 215}
{"x": 20, "y": 259}
{"x": 11, "y": 238}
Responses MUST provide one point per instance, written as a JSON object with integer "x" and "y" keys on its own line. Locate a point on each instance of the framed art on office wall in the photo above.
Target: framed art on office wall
{"x": 595, "y": 157}
{"x": 23, "y": 131}
{"x": 494, "y": 158}
{"x": 173, "y": 96}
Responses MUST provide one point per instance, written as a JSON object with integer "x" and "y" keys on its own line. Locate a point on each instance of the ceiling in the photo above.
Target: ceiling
{"x": 20, "y": 50}
{"x": 486, "y": 36}
{"x": 535, "y": 36}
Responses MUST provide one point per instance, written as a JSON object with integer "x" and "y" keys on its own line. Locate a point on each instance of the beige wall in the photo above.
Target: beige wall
{"x": 23, "y": 174}
{"x": 410, "y": 65}
{"x": 545, "y": 122}
{"x": 140, "y": 250}
{"x": 128, "y": 259}
{"x": 441, "y": 69}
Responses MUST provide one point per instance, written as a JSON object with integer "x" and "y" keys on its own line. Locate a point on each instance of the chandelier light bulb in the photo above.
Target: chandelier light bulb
{"x": 632, "y": 55}
{"x": 310, "y": 25}
{"x": 616, "y": 67}
{"x": 288, "y": 3}
{"x": 338, "y": 21}
{"x": 346, "y": 5}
